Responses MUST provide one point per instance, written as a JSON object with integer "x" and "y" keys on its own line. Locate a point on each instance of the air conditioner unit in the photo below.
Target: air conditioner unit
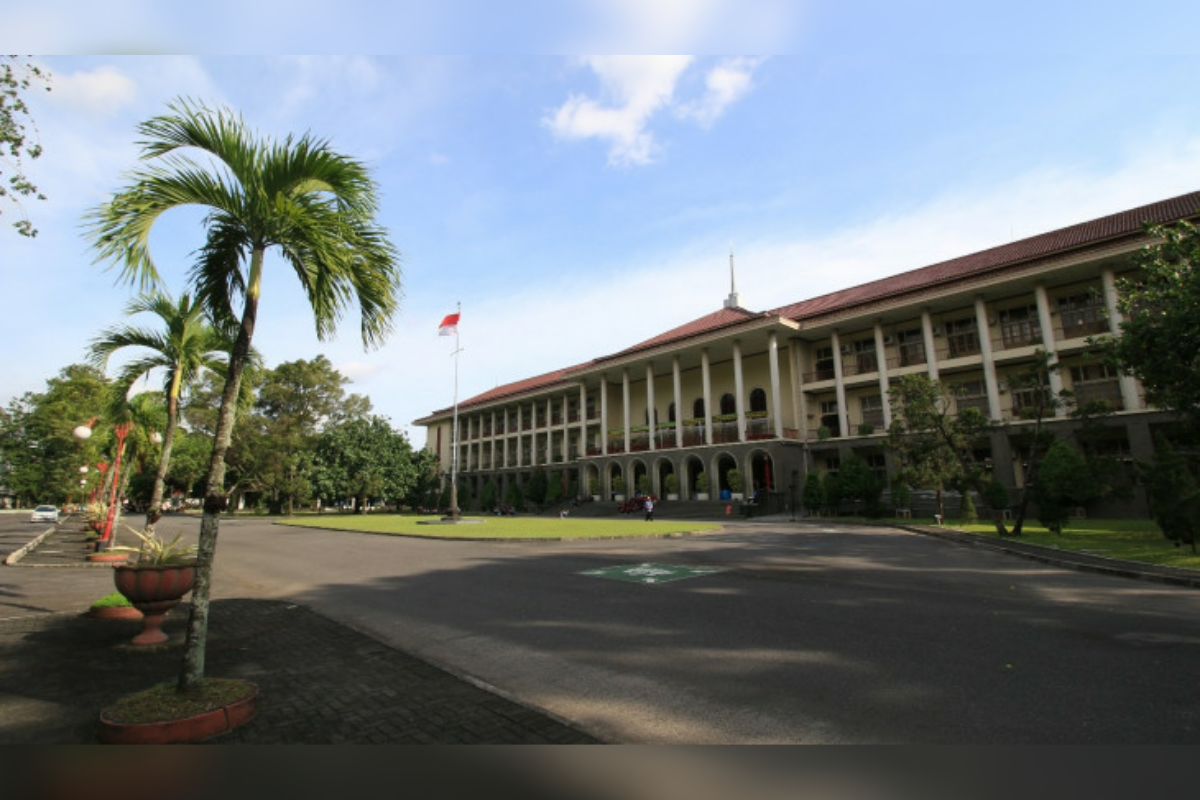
{"x": 847, "y": 349}
{"x": 889, "y": 339}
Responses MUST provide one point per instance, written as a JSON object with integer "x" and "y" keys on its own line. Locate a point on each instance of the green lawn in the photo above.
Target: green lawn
{"x": 1127, "y": 539}
{"x": 491, "y": 527}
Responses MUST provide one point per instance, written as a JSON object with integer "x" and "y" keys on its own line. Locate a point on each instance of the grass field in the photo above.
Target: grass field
{"x": 1126, "y": 539}
{"x": 480, "y": 527}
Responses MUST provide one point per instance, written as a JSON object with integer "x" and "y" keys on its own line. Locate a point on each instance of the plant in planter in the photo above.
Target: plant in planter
{"x": 736, "y": 483}
{"x": 594, "y": 487}
{"x": 114, "y": 606}
{"x": 643, "y": 484}
{"x": 155, "y": 583}
{"x": 672, "y": 484}
{"x": 618, "y": 485}
{"x": 702, "y": 486}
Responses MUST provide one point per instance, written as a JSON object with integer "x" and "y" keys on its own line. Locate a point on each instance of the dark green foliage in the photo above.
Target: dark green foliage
{"x": 535, "y": 487}
{"x": 1062, "y": 484}
{"x": 514, "y": 496}
{"x": 1174, "y": 494}
{"x": 553, "y": 489}
{"x": 814, "y": 493}
{"x": 487, "y": 496}
{"x": 996, "y": 495}
{"x": 860, "y": 484}
{"x": 967, "y": 510}
{"x": 832, "y": 485}
{"x": 901, "y": 495}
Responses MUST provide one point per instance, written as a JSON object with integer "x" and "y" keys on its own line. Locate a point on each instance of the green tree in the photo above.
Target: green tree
{"x": 39, "y": 456}
{"x": 16, "y": 144}
{"x": 860, "y": 484}
{"x": 182, "y": 347}
{"x": 296, "y": 401}
{"x": 535, "y": 487}
{"x": 298, "y": 197}
{"x": 1174, "y": 493}
{"x": 814, "y": 493}
{"x": 935, "y": 448}
{"x": 1063, "y": 484}
{"x": 1159, "y": 343}
{"x": 366, "y": 459}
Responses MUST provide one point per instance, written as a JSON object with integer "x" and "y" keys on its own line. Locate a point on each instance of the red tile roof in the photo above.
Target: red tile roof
{"x": 1116, "y": 226}
{"x": 1087, "y": 234}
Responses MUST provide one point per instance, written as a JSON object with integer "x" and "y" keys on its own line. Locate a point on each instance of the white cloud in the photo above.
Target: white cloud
{"x": 103, "y": 91}
{"x": 634, "y": 89}
{"x": 725, "y": 84}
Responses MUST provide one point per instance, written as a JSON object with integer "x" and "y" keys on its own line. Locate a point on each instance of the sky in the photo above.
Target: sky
{"x": 578, "y": 204}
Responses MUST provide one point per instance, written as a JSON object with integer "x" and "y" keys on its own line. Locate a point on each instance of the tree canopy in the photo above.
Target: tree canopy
{"x": 17, "y": 143}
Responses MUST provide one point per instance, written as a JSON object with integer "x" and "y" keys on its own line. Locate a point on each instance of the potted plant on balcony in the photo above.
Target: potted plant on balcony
{"x": 702, "y": 486}
{"x": 672, "y": 484}
{"x": 155, "y": 583}
{"x": 736, "y": 484}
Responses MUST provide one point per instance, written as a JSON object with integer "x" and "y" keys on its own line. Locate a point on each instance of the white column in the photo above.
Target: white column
{"x": 776, "y": 393}
{"x": 549, "y": 430}
{"x": 1129, "y": 387}
{"x": 839, "y": 383}
{"x": 604, "y": 415}
{"x": 565, "y": 446}
{"x": 677, "y": 386}
{"x": 706, "y": 379}
{"x": 650, "y": 405}
{"x": 797, "y": 350}
{"x": 881, "y": 354}
{"x": 582, "y": 421}
{"x": 931, "y": 359}
{"x": 739, "y": 391}
{"x": 985, "y": 355}
{"x": 1047, "y": 324}
{"x": 625, "y": 406}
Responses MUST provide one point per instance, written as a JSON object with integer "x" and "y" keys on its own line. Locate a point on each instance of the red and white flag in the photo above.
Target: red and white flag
{"x": 449, "y": 325}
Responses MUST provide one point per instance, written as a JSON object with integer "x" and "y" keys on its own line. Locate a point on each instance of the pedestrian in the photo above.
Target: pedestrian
{"x": 649, "y": 506}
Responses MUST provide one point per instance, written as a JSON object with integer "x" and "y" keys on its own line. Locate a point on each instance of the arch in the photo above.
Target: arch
{"x": 671, "y": 412}
{"x": 724, "y": 462}
{"x": 698, "y": 408}
{"x": 763, "y": 476}
{"x": 612, "y": 472}
{"x": 637, "y": 471}
{"x": 728, "y": 404}
{"x": 758, "y": 399}
{"x": 591, "y": 480}
{"x": 692, "y": 468}
{"x": 663, "y": 467}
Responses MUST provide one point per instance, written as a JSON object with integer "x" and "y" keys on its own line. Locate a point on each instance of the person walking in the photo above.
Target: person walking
{"x": 649, "y": 506}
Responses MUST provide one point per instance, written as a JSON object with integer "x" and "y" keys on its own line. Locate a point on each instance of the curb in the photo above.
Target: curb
{"x": 23, "y": 551}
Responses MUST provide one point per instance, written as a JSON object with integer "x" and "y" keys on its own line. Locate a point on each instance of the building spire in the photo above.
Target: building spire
{"x": 733, "y": 301}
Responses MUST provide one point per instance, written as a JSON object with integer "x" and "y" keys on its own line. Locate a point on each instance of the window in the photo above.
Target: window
{"x": 824, "y": 364}
{"x": 1020, "y": 326}
{"x": 671, "y": 413}
{"x": 1097, "y": 384}
{"x": 864, "y": 356}
{"x": 830, "y": 418}
{"x": 971, "y": 394}
{"x": 1082, "y": 315}
{"x": 758, "y": 400}
{"x": 912, "y": 347}
{"x": 698, "y": 408}
{"x": 872, "y": 410}
{"x": 962, "y": 337}
{"x": 728, "y": 404}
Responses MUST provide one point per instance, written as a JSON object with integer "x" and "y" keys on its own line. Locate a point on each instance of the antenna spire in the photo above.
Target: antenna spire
{"x": 733, "y": 301}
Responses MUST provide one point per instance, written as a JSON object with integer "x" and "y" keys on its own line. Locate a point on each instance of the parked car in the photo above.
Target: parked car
{"x": 44, "y": 514}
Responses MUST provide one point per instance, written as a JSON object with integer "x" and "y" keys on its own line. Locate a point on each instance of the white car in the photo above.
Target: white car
{"x": 44, "y": 514}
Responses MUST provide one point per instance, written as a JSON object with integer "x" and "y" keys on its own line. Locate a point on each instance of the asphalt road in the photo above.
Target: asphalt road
{"x": 805, "y": 634}
{"x": 801, "y": 634}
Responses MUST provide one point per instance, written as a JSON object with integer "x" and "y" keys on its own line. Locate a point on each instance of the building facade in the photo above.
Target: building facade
{"x": 782, "y": 393}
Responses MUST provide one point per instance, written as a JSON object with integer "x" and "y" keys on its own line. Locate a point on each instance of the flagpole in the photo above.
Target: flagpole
{"x": 454, "y": 514}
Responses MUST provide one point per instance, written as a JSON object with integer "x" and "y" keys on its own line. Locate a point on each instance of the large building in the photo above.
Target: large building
{"x": 778, "y": 394}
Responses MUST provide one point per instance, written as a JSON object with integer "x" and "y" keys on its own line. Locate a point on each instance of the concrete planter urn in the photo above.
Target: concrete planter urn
{"x": 154, "y": 589}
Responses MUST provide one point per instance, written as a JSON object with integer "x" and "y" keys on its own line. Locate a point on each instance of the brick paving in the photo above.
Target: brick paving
{"x": 319, "y": 682}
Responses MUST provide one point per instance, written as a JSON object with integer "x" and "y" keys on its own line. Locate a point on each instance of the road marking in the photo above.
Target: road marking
{"x": 650, "y": 573}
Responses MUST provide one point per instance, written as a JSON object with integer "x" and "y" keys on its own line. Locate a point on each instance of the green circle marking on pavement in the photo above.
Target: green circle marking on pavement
{"x": 650, "y": 573}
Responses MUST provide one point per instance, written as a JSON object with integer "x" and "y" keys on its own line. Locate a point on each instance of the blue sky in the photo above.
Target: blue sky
{"x": 576, "y": 205}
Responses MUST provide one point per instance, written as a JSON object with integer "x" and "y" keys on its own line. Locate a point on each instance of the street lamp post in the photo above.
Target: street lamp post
{"x": 121, "y": 430}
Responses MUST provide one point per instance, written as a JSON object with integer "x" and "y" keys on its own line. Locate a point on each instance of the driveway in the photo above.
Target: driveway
{"x": 775, "y": 632}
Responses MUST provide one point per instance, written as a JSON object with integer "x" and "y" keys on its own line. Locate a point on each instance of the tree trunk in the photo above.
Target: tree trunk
{"x": 154, "y": 512}
{"x": 192, "y": 673}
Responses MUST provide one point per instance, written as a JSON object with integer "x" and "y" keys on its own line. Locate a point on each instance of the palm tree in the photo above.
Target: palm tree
{"x": 185, "y": 347}
{"x": 296, "y": 197}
